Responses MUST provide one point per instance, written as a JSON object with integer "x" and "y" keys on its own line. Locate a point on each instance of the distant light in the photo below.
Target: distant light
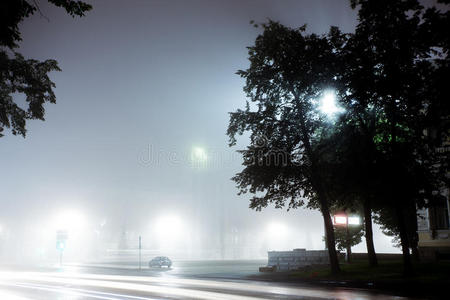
{"x": 61, "y": 246}
{"x": 275, "y": 229}
{"x": 277, "y": 236}
{"x": 169, "y": 227}
{"x": 199, "y": 157}
{"x": 69, "y": 220}
{"x": 340, "y": 220}
{"x": 354, "y": 221}
{"x": 327, "y": 104}
{"x": 199, "y": 154}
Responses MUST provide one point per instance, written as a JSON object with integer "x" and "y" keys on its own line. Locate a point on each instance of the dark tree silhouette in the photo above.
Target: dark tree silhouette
{"x": 380, "y": 155}
{"x": 353, "y": 175}
{"x": 391, "y": 63}
{"x": 347, "y": 237}
{"x": 288, "y": 70}
{"x": 25, "y": 76}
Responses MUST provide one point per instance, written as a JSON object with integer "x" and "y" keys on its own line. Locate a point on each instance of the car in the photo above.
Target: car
{"x": 160, "y": 261}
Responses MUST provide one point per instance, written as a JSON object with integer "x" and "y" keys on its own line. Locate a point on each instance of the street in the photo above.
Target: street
{"x": 188, "y": 280}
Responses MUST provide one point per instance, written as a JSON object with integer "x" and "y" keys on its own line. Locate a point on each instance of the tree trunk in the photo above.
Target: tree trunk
{"x": 413, "y": 236}
{"x": 323, "y": 201}
{"x": 407, "y": 264}
{"x": 329, "y": 233}
{"x": 415, "y": 253}
{"x": 348, "y": 247}
{"x": 401, "y": 219}
{"x": 373, "y": 261}
{"x": 349, "y": 254}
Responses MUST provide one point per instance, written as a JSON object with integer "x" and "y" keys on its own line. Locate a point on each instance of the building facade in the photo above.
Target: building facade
{"x": 434, "y": 222}
{"x": 434, "y": 230}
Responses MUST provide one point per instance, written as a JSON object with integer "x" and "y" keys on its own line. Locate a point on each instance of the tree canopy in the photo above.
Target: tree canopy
{"x": 289, "y": 72}
{"x": 378, "y": 155}
{"x": 25, "y": 76}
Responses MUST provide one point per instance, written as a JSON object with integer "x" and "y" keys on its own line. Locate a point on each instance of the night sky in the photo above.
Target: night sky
{"x": 144, "y": 83}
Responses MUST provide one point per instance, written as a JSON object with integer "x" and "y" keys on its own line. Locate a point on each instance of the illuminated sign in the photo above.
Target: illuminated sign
{"x": 353, "y": 221}
{"x": 340, "y": 220}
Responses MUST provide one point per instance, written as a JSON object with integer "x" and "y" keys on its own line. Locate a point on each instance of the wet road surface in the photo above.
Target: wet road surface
{"x": 207, "y": 280}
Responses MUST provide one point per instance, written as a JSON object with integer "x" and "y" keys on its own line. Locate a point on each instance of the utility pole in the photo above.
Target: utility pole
{"x": 140, "y": 247}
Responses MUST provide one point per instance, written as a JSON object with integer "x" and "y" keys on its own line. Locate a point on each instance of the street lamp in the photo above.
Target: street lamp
{"x": 276, "y": 234}
{"x": 276, "y": 229}
{"x": 170, "y": 231}
{"x": 199, "y": 157}
{"x": 69, "y": 220}
{"x": 327, "y": 104}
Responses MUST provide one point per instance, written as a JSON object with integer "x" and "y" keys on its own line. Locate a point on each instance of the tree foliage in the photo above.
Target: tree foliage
{"x": 380, "y": 155}
{"x": 25, "y": 76}
{"x": 282, "y": 83}
{"x": 347, "y": 239}
{"x": 392, "y": 90}
{"x": 289, "y": 71}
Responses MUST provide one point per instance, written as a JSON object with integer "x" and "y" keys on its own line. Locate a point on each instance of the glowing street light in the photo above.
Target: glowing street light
{"x": 199, "y": 154}
{"x": 70, "y": 220}
{"x": 170, "y": 225}
{"x": 327, "y": 104}
{"x": 275, "y": 229}
{"x": 276, "y": 235}
{"x": 199, "y": 157}
{"x": 170, "y": 231}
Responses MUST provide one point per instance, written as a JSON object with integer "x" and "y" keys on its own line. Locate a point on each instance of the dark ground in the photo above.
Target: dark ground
{"x": 430, "y": 280}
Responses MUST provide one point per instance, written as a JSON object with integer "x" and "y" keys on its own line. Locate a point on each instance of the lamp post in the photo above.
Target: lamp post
{"x": 140, "y": 247}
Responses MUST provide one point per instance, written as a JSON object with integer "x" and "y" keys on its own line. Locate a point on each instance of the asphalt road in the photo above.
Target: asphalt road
{"x": 227, "y": 269}
{"x": 188, "y": 280}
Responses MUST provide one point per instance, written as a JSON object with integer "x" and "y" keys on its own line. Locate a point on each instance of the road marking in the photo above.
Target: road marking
{"x": 73, "y": 291}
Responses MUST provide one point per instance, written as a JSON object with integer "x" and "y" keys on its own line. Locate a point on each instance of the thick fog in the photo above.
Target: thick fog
{"x": 136, "y": 144}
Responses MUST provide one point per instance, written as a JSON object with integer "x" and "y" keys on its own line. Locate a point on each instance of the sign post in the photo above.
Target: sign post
{"x": 140, "y": 247}
{"x": 61, "y": 239}
{"x": 343, "y": 219}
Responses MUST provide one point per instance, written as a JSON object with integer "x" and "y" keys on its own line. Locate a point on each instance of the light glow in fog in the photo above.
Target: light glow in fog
{"x": 328, "y": 104}
{"x": 275, "y": 229}
{"x": 70, "y": 220}
{"x": 277, "y": 236}
{"x": 170, "y": 231}
{"x": 354, "y": 221}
